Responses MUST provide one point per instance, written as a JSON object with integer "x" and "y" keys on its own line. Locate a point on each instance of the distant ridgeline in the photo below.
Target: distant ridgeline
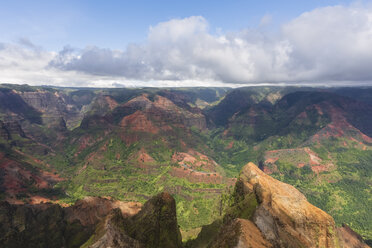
{"x": 60, "y": 145}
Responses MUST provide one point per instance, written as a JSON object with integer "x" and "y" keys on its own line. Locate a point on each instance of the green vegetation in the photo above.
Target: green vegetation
{"x": 100, "y": 158}
{"x": 115, "y": 172}
{"x": 344, "y": 192}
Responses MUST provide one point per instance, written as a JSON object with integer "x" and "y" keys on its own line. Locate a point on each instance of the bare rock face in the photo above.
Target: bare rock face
{"x": 162, "y": 112}
{"x": 284, "y": 216}
{"x": 269, "y": 213}
{"x": 240, "y": 233}
{"x": 349, "y": 238}
{"x": 111, "y": 233}
{"x": 155, "y": 226}
{"x": 38, "y": 226}
{"x": 91, "y": 210}
{"x": 50, "y": 225}
{"x": 92, "y": 222}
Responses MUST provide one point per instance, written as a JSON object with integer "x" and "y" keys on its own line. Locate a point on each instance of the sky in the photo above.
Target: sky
{"x": 185, "y": 43}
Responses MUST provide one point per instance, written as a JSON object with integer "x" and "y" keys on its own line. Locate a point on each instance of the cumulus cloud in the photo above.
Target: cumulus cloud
{"x": 183, "y": 49}
{"x": 330, "y": 44}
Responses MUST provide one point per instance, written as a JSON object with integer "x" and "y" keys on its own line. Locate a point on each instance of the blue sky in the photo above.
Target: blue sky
{"x": 114, "y": 24}
{"x": 185, "y": 43}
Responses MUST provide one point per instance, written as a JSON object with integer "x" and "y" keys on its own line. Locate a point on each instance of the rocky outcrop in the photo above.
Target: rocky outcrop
{"x": 269, "y": 213}
{"x": 155, "y": 226}
{"x": 349, "y": 238}
{"x": 138, "y": 121}
{"x": 19, "y": 179}
{"x": 111, "y": 233}
{"x": 50, "y": 225}
{"x": 92, "y": 222}
{"x": 91, "y": 210}
{"x": 38, "y": 226}
{"x": 14, "y": 129}
{"x": 53, "y": 106}
{"x": 101, "y": 105}
{"x": 240, "y": 233}
{"x": 161, "y": 112}
{"x": 284, "y": 216}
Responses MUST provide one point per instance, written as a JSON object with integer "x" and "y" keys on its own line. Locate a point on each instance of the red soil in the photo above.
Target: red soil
{"x": 111, "y": 102}
{"x": 300, "y": 165}
{"x": 313, "y": 160}
{"x": 86, "y": 141}
{"x": 139, "y": 122}
{"x": 267, "y": 170}
{"x": 165, "y": 104}
{"x": 318, "y": 168}
{"x": 338, "y": 127}
{"x": 196, "y": 177}
{"x": 271, "y": 160}
{"x": 194, "y": 160}
{"x": 142, "y": 158}
{"x": 230, "y": 145}
{"x": 302, "y": 115}
{"x": 226, "y": 132}
{"x": 17, "y": 178}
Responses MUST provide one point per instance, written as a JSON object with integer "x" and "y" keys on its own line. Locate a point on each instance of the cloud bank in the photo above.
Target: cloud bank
{"x": 327, "y": 45}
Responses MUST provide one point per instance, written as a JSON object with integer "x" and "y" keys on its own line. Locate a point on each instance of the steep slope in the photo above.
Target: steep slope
{"x": 50, "y": 225}
{"x": 282, "y": 218}
{"x": 24, "y": 178}
{"x": 240, "y": 233}
{"x": 264, "y": 213}
{"x": 92, "y": 222}
{"x": 240, "y": 100}
{"x": 141, "y": 147}
{"x": 315, "y": 140}
{"x": 192, "y": 142}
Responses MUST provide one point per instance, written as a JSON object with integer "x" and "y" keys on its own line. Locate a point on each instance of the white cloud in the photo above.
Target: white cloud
{"x": 266, "y": 20}
{"x": 331, "y": 44}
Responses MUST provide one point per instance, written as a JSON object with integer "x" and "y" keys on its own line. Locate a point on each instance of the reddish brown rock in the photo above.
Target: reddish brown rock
{"x": 91, "y": 210}
{"x": 155, "y": 226}
{"x": 139, "y": 122}
{"x": 349, "y": 238}
{"x": 16, "y": 177}
{"x": 240, "y": 233}
{"x": 284, "y": 216}
{"x": 50, "y": 225}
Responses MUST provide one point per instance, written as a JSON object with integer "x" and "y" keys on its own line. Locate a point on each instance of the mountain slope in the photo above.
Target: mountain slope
{"x": 315, "y": 140}
{"x": 280, "y": 217}
{"x": 62, "y": 144}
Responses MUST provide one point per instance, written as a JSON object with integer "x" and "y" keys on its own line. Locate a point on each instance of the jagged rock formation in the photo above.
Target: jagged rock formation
{"x": 111, "y": 234}
{"x": 92, "y": 222}
{"x": 129, "y": 133}
{"x": 50, "y": 225}
{"x": 240, "y": 233}
{"x": 269, "y": 213}
{"x": 91, "y": 210}
{"x": 349, "y": 238}
{"x": 154, "y": 226}
{"x": 284, "y": 216}
{"x": 147, "y": 115}
{"x": 266, "y": 213}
